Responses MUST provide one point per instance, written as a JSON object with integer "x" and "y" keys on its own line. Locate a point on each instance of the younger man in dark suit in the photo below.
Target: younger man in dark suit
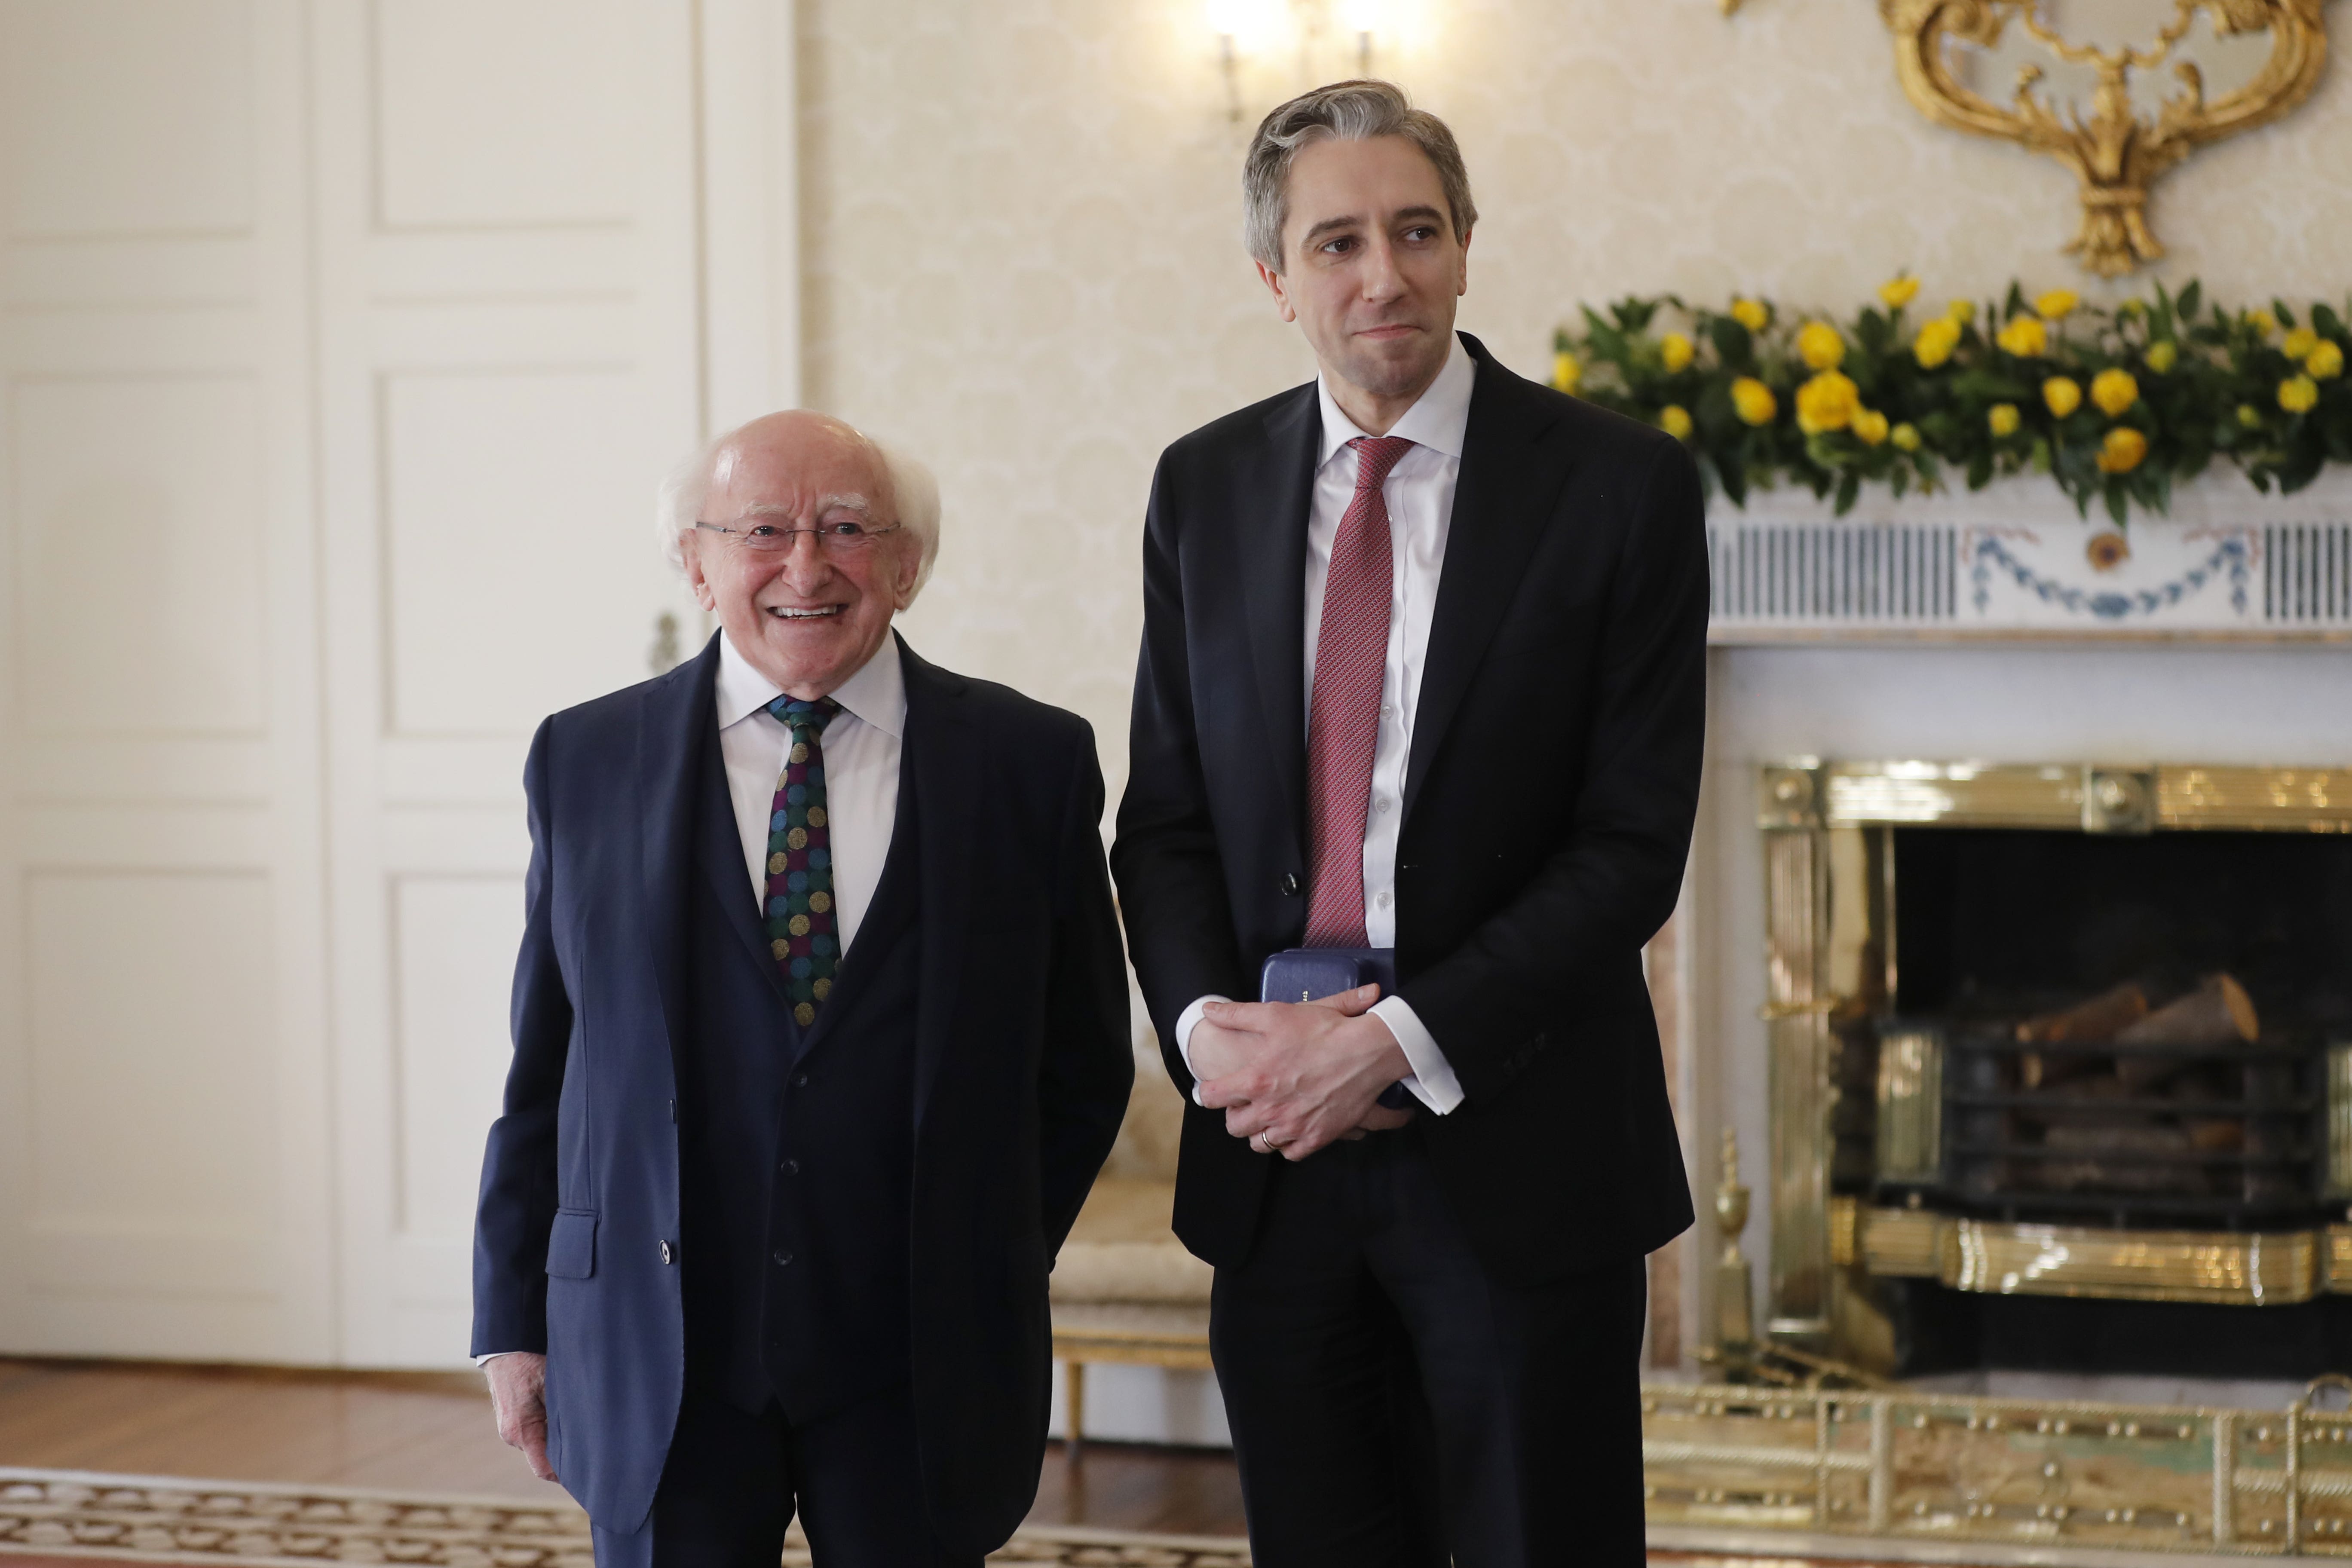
{"x": 1423, "y": 669}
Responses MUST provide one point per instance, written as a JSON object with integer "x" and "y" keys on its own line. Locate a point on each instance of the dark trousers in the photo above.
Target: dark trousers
{"x": 732, "y": 1481}
{"x": 1391, "y": 1404}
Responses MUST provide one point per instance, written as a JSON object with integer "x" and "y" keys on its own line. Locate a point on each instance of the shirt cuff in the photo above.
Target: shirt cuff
{"x": 485, "y": 1360}
{"x": 1186, "y": 1022}
{"x": 1432, "y": 1081}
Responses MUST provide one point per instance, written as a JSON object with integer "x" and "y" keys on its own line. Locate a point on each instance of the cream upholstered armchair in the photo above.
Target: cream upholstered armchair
{"x": 1124, "y": 1289}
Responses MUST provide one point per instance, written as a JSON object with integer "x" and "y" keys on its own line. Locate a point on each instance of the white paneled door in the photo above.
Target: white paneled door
{"x": 341, "y": 346}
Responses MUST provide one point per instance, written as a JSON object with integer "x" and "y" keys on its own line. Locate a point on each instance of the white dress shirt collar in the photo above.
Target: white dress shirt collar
{"x": 876, "y": 694}
{"x": 1439, "y": 420}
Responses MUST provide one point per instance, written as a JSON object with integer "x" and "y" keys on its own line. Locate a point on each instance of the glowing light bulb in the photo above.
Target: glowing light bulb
{"x": 1250, "y": 24}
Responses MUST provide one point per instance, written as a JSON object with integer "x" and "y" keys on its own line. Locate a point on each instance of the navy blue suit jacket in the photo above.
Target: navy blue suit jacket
{"x": 1021, "y": 1074}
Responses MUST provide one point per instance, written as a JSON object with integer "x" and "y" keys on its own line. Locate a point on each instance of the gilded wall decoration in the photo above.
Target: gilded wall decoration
{"x": 2114, "y": 151}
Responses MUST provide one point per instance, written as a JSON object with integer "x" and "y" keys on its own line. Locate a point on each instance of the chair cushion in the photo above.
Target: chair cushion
{"x": 1121, "y": 1250}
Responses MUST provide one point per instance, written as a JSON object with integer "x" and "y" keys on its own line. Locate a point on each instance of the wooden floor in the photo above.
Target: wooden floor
{"x": 431, "y": 1431}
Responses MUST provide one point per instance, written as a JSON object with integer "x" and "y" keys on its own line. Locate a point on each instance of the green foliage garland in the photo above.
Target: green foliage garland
{"x": 2117, "y": 405}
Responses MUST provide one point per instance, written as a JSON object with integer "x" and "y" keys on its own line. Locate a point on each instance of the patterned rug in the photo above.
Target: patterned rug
{"x": 78, "y": 1516}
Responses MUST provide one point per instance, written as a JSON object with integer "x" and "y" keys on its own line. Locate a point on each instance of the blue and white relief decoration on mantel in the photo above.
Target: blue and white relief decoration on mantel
{"x": 1957, "y": 566}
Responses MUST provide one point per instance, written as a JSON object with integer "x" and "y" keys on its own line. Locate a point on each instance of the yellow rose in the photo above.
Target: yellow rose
{"x": 1565, "y": 371}
{"x": 2062, "y": 394}
{"x": 1675, "y": 421}
{"x": 1899, "y": 292}
{"x": 2298, "y": 395}
{"x": 1676, "y": 351}
{"x": 2003, "y": 419}
{"x": 2057, "y": 305}
{"x": 2298, "y": 343}
{"x": 2262, "y": 321}
{"x": 1753, "y": 401}
{"x": 2122, "y": 451}
{"x": 1935, "y": 341}
{"x": 1828, "y": 402}
{"x": 2325, "y": 364}
{"x": 1961, "y": 311}
{"x": 1871, "y": 425}
{"x": 2114, "y": 391}
{"x": 1906, "y": 437}
{"x": 1819, "y": 346}
{"x": 2162, "y": 357}
{"x": 1751, "y": 314}
{"x": 2248, "y": 415}
{"x": 2025, "y": 337}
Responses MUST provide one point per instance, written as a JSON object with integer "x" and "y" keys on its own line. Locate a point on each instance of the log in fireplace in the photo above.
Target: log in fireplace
{"x": 2061, "y": 1066}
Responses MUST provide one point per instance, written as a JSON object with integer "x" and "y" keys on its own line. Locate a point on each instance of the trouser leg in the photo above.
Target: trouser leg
{"x": 1534, "y": 1392}
{"x": 725, "y": 1497}
{"x": 859, "y": 1473}
{"x": 1329, "y": 1425}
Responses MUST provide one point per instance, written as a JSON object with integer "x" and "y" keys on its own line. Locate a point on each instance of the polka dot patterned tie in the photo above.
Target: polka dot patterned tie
{"x": 801, "y": 931}
{"x": 1343, "y": 721}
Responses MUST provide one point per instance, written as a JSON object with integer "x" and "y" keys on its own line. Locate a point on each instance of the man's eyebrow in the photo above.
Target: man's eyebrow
{"x": 1332, "y": 225}
{"x": 850, "y": 501}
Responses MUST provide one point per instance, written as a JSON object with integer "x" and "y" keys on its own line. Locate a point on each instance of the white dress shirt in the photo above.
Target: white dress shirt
{"x": 861, "y": 778}
{"x": 1420, "y": 495}
{"x": 861, "y": 748}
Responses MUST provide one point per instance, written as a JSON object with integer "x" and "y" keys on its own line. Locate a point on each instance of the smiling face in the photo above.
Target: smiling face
{"x": 805, "y": 618}
{"x": 1371, "y": 271}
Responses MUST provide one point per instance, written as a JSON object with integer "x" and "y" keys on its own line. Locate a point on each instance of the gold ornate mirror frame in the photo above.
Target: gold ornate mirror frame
{"x": 2115, "y": 153}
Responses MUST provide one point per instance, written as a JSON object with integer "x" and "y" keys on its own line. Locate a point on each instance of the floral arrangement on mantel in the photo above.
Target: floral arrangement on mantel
{"x": 2118, "y": 406}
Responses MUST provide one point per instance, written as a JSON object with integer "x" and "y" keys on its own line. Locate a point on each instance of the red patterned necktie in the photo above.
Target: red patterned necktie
{"x": 1343, "y": 718}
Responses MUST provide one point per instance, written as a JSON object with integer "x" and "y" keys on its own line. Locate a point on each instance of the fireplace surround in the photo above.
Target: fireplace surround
{"x": 1933, "y": 1202}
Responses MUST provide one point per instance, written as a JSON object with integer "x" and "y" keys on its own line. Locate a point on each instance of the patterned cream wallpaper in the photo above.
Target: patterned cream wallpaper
{"x": 1022, "y": 257}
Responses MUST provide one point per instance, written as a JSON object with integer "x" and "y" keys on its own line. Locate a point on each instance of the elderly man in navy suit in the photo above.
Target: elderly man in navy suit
{"x": 820, "y": 1031}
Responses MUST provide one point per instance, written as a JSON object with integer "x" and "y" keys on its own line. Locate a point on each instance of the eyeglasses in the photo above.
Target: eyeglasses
{"x": 844, "y": 538}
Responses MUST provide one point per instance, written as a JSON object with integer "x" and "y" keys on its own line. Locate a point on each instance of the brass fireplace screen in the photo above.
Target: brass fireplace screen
{"x": 2105, "y": 1053}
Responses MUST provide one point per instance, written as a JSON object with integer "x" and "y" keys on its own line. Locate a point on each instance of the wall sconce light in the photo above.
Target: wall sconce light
{"x": 1364, "y": 18}
{"x": 1239, "y": 25}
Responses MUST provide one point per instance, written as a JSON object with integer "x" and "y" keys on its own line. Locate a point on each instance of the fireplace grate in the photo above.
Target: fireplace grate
{"x": 2307, "y": 575}
{"x": 1891, "y": 574}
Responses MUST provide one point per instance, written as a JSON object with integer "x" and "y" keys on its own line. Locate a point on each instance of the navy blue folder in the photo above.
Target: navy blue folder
{"x": 1311, "y": 973}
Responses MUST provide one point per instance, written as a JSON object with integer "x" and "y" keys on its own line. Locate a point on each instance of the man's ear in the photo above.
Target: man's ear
{"x": 690, "y": 551}
{"x": 910, "y": 568}
{"x": 1281, "y": 297}
{"x": 1462, "y": 267}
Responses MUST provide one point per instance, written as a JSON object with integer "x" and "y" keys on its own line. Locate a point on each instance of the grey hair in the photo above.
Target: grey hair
{"x": 678, "y": 505}
{"x": 1344, "y": 111}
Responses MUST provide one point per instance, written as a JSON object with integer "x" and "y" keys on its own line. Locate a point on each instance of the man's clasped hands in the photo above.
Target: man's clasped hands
{"x": 1294, "y": 1077}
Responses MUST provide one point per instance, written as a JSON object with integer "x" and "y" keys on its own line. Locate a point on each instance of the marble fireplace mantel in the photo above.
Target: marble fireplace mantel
{"x": 2016, "y": 560}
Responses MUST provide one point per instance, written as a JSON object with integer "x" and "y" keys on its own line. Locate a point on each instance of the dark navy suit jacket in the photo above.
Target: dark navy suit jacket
{"x": 1547, "y": 802}
{"x": 1021, "y": 1074}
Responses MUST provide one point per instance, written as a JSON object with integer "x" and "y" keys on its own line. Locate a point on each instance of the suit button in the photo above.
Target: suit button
{"x": 1290, "y": 884}
{"x": 791, "y": 1167}
{"x": 800, "y": 1080}
{"x": 784, "y": 1259}
{"x": 668, "y": 1253}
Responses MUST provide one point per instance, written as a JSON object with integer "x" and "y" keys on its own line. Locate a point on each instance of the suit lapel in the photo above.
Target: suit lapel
{"x": 674, "y": 723}
{"x": 942, "y": 755}
{"x": 1507, "y": 473}
{"x": 1273, "y": 486}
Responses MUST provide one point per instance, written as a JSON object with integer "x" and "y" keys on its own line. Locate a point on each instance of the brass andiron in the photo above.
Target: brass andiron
{"x": 2114, "y": 154}
{"x": 1735, "y": 1281}
{"x": 1735, "y": 1355}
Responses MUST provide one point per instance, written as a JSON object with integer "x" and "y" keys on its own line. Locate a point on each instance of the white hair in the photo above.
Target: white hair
{"x": 678, "y": 505}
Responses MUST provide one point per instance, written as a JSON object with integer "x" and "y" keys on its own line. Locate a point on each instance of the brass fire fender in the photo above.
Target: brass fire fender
{"x": 1808, "y": 1471}
{"x": 1830, "y": 950}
